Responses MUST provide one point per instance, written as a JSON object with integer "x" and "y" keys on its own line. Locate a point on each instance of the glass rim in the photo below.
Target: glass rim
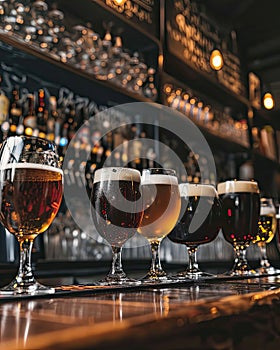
{"x": 100, "y": 174}
{"x": 238, "y": 186}
{"x": 36, "y": 138}
{"x": 161, "y": 171}
{"x": 202, "y": 190}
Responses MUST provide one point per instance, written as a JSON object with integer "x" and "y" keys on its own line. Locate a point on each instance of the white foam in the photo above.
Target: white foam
{"x": 191, "y": 190}
{"x": 238, "y": 186}
{"x": 159, "y": 179}
{"x": 116, "y": 174}
{"x": 30, "y": 166}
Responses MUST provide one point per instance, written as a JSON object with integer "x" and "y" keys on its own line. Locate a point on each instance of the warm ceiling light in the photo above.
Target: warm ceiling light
{"x": 268, "y": 101}
{"x": 119, "y": 2}
{"x": 216, "y": 60}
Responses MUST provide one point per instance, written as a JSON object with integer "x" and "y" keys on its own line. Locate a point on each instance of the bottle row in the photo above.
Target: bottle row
{"x": 217, "y": 121}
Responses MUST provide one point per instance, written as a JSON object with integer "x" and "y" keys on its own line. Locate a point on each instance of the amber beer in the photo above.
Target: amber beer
{"x": 111, "y": 186}
{"x": 196, "y": 200}
{"x": 161, "y": 203}
{"x": 267, "y": 224}
{"x": 240, "y": 211}
{"x": 30, "y": 198}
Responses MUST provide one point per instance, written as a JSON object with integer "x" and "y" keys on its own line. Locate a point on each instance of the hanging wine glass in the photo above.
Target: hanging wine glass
{"x": 100, "y": 66}
{"x": 56, "y": 23}
{"x": 150, "y": 90}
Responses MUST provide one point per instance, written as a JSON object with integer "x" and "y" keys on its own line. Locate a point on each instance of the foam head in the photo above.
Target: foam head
{"x": 193, "y": 190}
{"x": 159, "y": 179}
{"x": 238, "y": 186}
{"x": 30, "y": 166}
{"x": 116, "y": 174}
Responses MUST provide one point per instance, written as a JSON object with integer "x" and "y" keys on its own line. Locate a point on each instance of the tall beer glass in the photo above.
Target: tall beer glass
{"x": 31, "y": 190}
{"x": 239, "y": 217}
{"x": 267, "y": 227}
{"x": 199, "y": 223}
{"x": 161, "y": 203}
{"x": 117, "y": 212}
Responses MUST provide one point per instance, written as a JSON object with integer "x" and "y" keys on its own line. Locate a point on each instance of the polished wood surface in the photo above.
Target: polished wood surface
{"x": 145, "y": 317}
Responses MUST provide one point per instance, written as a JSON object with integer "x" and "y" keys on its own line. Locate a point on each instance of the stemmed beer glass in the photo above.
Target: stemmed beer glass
{"x": 117, "y": 212}
{"x": 161, "y": 203}
{"x": 240, "y": 202}
{"x": 31, "y": 191}
{"x": 267, "y": 227}
{"x": 199, "y": 224}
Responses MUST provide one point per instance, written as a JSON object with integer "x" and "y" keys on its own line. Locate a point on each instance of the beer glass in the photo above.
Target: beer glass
{"x": 199, "y": 223}
{"x": 161, "y": 203}
{"x": 267, "y": 225}
{"x": 240, "y": 202}
{"x": 31, "y": 191}
{"x": 116, "y": 212}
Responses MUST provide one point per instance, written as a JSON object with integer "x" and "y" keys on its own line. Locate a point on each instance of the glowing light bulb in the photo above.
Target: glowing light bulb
{"x": 119, "y": 2}
{"x": 216, "y": 60}
{"x": 268, "y": 101}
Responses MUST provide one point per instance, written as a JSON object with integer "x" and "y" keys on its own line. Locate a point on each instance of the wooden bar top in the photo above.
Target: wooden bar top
{"x": 232, "y": 314}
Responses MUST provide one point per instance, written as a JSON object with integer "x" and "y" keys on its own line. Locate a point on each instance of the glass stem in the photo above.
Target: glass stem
{"x": 241, "y": 263}
{"x": 117, "y": 270}
{"x": 156, "y": 268}
{"x": 193, "y": 265}
{"x": 264, "y": 260}
{"x": 25, "y": 275}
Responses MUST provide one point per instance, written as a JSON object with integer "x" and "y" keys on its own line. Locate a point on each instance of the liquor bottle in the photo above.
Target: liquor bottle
{"x": 135, "y": 150}
{"x": 52, "y": 119}
{"x": 4, "y": 115}
{"x": 149, "y": 90}
{"x": 30, "y": 119}
{"x": 70, "y": 120}
{"x": 15, "y": 111}
{"x": 42, "y": 114}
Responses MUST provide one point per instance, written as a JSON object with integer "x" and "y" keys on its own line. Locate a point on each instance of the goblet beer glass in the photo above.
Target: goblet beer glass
{"x": 267, "y": 227}
{"x": 116, "y": 212}
{"x": 31, "y": 191}
{"x": 161, "y": 203}
{"x": 240, "y": 202}
{"x": 199, "y": 223}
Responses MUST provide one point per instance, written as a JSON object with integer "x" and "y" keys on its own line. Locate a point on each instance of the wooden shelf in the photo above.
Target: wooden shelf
{"x": 127, "y": 21}
{"x": 265, "y": 160}
{"x": 263, "y": 117}
{"x": 103, "y": 14}
{"x": 32, "y": 59}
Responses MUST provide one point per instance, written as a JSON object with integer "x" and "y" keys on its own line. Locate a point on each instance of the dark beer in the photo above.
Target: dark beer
{"x": 30, "y": 198}
{"x": 195, "y": 201}
{"x": 109, "y": 190}
{"x": 240, "y": 211}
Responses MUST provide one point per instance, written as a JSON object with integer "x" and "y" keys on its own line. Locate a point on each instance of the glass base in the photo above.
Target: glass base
{"x": 16, "y": 288}
{"x": 157, "y": 277}
{"x": 240, "y": 273}
{"x": 118, "y": 281}
{"x": 267, "y": 271}
{"x": 193, "y": 275}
